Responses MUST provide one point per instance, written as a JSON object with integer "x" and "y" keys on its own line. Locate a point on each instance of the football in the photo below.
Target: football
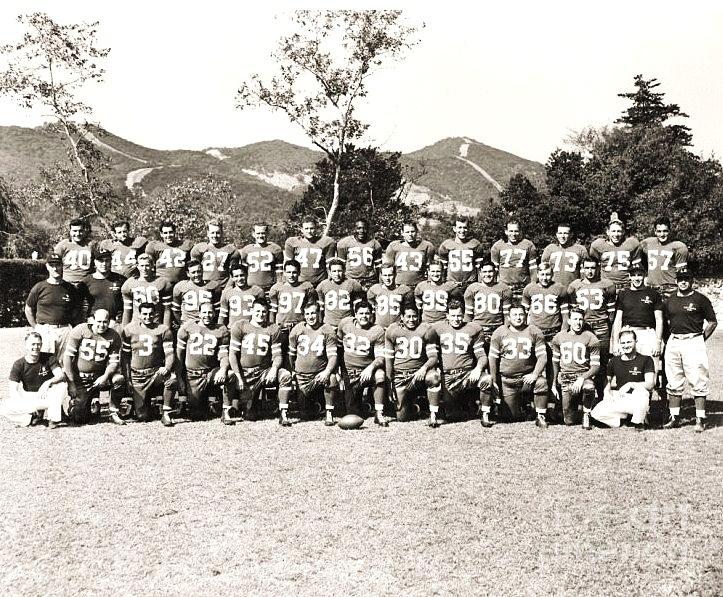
{"x": 351, "y": 422}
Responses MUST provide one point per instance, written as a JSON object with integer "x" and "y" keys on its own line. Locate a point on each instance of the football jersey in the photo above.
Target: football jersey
{"x": 256, "y": 346}
{"x": 104, "y": 293}
{"x": 432, "y": 299}
{"x": 515, "y": 261}
{"x": 312, "y": 347}
{"x": 214, "y": 260}
{"x": 411, "y": 262}
{"x": 638, "y": 306}
{"x": 362, "y": 258}
{"x": 137, "y": 290}
{"x": 461, "y": 259}
{"x": 410, "y": 349}
{"x": 576, "y": 353}
{"x": 55, "y": 304}
{"x": 77, "y": 259}
{"x": 311, "y": 255}
{"x": 33, "y": 375}
{"x": 685, "y": 314}
{"x": 206, "y": 347}
{"x": 387, "y": 303}
{"x": 461, "y": 348}
{"x": 517, "y": 350}
{"x": 361, "y": 345}
{"x": 663, "y": 261}
{"x": 615, "y": 260}
{"x": 488, "y": 305}
{"x": 631, "y": 370}
{"x": 188, "y": 298}
{"x": 147, "y": 347}
{"x": 263, "y": 263}
{"x": 597, "y": 298}
{"x": 338, "y": 299}
{"x": 123, "y": 259}
{"x": 565, "y": 262}
{"x": 236, "y": 303}
{"x": 546, "y": 304}
{"x": 93, "y": 351}
{"x": 287, "y": 301}
{"x": 170, "y": 259}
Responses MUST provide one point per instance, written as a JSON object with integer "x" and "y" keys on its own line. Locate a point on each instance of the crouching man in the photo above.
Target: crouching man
{"x": 36, "y": 385}
{"x": 631, "y": 377}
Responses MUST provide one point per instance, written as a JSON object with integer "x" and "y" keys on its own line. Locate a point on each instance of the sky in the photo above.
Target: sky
{"x": 520, "y": 76}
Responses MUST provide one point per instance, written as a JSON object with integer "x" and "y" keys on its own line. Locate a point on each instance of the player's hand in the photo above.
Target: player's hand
{"x": 625, "y": 388}
{"x": 419, "y": 375}
{"x": 475, "y": 375}
{"x": 366, "y": 375}
{"x": 100, "y": 382}
{"x": 271, "y": 375}
{"x": 555, "y": 391}
{"x": 577, "y": 385}
{"x": 220, "y": 377}
{"x": 322, "y": 378}
{"x": 656, "y": 350}
{"x": 529, "y": 379}
{"x": 163, "y": 371}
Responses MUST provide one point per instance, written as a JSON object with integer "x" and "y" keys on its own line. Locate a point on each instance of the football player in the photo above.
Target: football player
{"x": 215, "y": 255}
{"x": 433, "y": 294}
{"x": 256, "y": 361}
{"x": 462, "y": 255}
{"x": 565, "y": 256}
{"x": 411, "y": 364}
{"x": 463, "y": 362}
{"x": 91, "y": 362}
{"x": 387, "y": 297}
{"x": 411, "y": 256}
{"x": 517, "y": 360}
{"x": 124, "y": 249}
{"x": 102, "y": 288}
{"x": 575, "y": 363}
{"x": 170, "y": 253}
{"x": 288, "y": 296}
{"x": 338, "y": 294}
{"x": 362, "y": 254}
{"x": 238, "y": 298}
{"x": 488, "y": 301}
{"x": 76, "y": 252}
{"x": 664, "y": 257}
{"x": 148, "y": 363}
{"x": 147, "y": 288}
{"x": 264, "y": 260}
{"x": 363, "y": 344}
{"x": 190, "y": 294}
{"x": 314, "y": 359}
{"x": 547, "y": 303}
{"x": 616, "y": 253}
{"x": 515, "y": 258}
{"x": 311, "y": 250}
{"x": 202, "y": 351}
{"x": 691, "y": 321}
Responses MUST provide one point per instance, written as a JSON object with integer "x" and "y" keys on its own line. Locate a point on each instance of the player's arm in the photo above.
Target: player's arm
{"x": 277, "y": 357}
{"x": 289, "y": 250}
{"x": 494, "y": 362}
{"x": 527, "y": 302}
{"x": 430, "y": 350}
{"x": 541, "y": 355}
{"x": 70, "y": 366}
{"x": 592, "y": 370}
{"x": 30, "y": 315}
{"x": 168, "y": 352}
{"x": 223, "y": 360}
{"x": 181, "y": 352}
{"x": 710, "y": 319}
{"x": 555, "y": 365}
{"x": 532, "y": 262}
{"x": 648, "y": 384}
{"x": 166, "y": 300}
{"x": 658, "y": 313}
{"x": 127, "y": 303}
{"x": 113, "y": 364}
{"x": 389, "y": 356}
{"x": 468, "y": 304}
{"x": 564, "y": 309}
{"x": 293, "y": 343}
{"x": 223, "y": 315}
{"x": 608, "y": 391}
{"x": 615, "y": 333}
{"x": 125, "y": 355}
{"x": 177, "y": 302}
{"x": 332, "y": 355}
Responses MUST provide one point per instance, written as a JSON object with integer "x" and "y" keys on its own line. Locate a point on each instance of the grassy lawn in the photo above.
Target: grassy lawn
{"x": 255, "y": 509}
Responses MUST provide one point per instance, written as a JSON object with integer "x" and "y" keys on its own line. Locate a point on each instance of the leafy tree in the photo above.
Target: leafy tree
{"x": 10, "y": 218}
{"x": 323, "y": 70}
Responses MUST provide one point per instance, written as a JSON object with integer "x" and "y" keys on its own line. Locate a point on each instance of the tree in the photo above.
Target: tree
{"x": 47, "y": 69}
{"x": 323, "y": 71}
{"x": 10, "y": 218}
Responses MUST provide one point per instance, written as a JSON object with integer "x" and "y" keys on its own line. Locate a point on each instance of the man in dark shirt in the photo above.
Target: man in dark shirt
{"x": 691, "y": 321}
{"x": 102, "y": 288}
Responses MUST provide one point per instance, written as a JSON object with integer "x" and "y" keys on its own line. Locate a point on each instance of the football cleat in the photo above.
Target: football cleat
{"x": 53, "y": 424}
{"x": 116, "y": 420}
{"x": 639, "y": 426}
{"x": 381, "y": 420}
{"x": 226, "y": 417}
{"x": 699, "y": 425}
{"x": 329, "y": 420}
{"x": 540, "y": 421}
{"x": 485, "y": 420}
{"x": 166, "y": 419}
{"x": 672, "y": 423}
{"x": 283, "y": 419}
{"x": 433, "y": 422}
{"x": 586, "y": 422}
{"x": 95, "y": 407}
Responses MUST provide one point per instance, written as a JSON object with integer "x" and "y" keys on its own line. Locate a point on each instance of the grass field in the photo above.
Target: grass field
{"x": 255, "y": 509}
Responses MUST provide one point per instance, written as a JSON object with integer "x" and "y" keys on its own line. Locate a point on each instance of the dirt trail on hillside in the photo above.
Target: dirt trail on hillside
{"x": 107, "y": 147}
{"x": 463, "y": 149}
{"x": 135, "y": 177}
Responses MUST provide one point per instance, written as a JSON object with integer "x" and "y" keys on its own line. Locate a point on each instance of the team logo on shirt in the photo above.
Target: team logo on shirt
{"x": 115, "y": 287}
{"x": 634, "y": 371}
{"x": 647, "y": 300}
{"x": 43, "y": 372}
{"x": 690, "y": 308}
{"x": 66, "y": 298}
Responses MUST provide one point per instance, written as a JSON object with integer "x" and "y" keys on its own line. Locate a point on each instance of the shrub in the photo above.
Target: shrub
{"x": 17, "y": 277}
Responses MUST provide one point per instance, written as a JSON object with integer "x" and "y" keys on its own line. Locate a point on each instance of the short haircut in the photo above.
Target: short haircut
{"x": 564, "y": 225}
{"x": 33, "y": 334}
{"x": 629, "y": 331}
{"x": 309, "y": 220}
{"x": 166, "y": 224}
{"x": 388, "y": 265}
{"x": 363, "y": 305}
{"x": 261, "y": 301}
{"x": 146, "y": 305}
{"x": 193, "y": 263}
{"x": 512, "y": 221}
{"x": 544, "y": 265}
{"x": 461, "y": 219}
{"x": 578, "y": 310}
{"x": 518, "y": 305}
{"x": 237, "y": 264}
{"x": 311, "y": 303}
{"x": 362, "y": 221}
{"x": 409, "y": 306}
{"x": 261, "y": 225}
{"x": 214, "y": 222}
{"x": 662, "y": 221}
{"x": 120, "y": 224}
{"x": 144, "y": 257}
{"x": 488, "y": 263}
{"x": 78, "y": 222}
{"x": 454, "y": 304}
{"x": 589, "y": 259}
{"x": 293, "y": 263}
{"x": 335, "y": 261}
{"x": 411, "y": 223}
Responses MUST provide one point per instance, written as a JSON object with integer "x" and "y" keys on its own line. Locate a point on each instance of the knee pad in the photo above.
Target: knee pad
{"x": 380, "y": 377}
{"x": 433, "y": 379}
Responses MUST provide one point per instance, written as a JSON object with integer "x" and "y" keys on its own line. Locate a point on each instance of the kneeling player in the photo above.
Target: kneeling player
{"x": 411, "y": 363}
{"x": 256, "y": 361}
{"x": 313, "y": 358}
{"x": 575, "y": 363}
{"x": 463, "y": 362}
{"x": 202, "y": 352}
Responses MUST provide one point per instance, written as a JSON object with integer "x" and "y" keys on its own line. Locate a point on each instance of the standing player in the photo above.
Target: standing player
{"x": 124, "y": 248}
{"x": 311, "y": 251}
{"x": 190, "y": 294}
{"x": 547, "y": 303}
{"x": 256, "y": 360}
{"x": 147, "y": 361}
{"x": 664, "y": 258}
{"x": 411, "y": 364}
{"x": 387, "y": 297}
{"x": 314, "y": 359}
{"x": 565, "y": 256}
{"x": 517, "y": 361}
{"x": 91, "y": 363}
{"x": 288, "y": 297}
{"x": 462, "y": 255}
{"x": 616, "y": 253}
{"x": 338, "y": 294}
{"x": 147, "y": 288}
{"x": 488, "y": 301}
{"x": 76, "y": 253}
{"x": 215, "y": 255}
{"x": 102, "y": 288}
{"x": 362, "y": 254}
{"x": 237, "y": 299}
{"x": 170, "y": 254}
{"x": 263, "y": 259}
{"x": 515, "y": 258}
{"x": 575, "y": 363}
{"x": 363, "y": 345}
{"x": 432, "y": 295}
{"x": 203, "y": 365}
{"x": 411, "y": 256}
{"x": 691, "y": 321}
{"x": 463, "y": 362}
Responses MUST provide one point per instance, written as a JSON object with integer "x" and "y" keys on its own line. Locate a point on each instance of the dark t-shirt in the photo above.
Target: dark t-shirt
{"x": 33, "y": 375}
{"x": 104, "y": 293}
{"x": 639, "y": 306}
{"x": 53, "y": 303}
{"x": 685, "y": 314}
{"x": 633, "y": 370}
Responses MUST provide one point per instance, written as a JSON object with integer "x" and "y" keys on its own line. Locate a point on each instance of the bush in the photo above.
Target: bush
{"x": 17, "y": 277}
